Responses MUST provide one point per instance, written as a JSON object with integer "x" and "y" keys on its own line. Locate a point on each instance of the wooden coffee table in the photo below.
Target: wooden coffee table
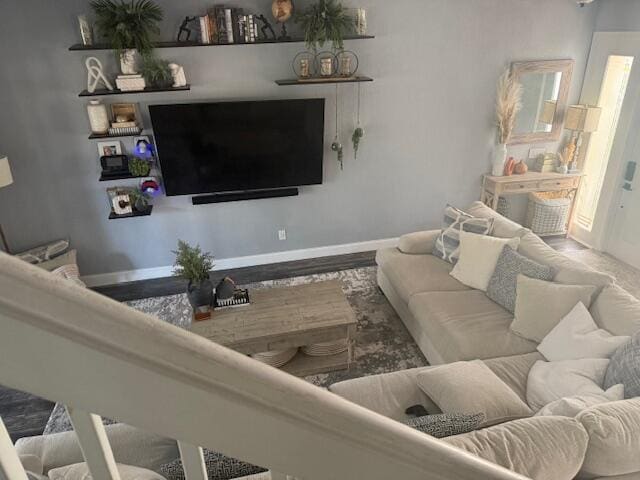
{"x": 287, "y": 317}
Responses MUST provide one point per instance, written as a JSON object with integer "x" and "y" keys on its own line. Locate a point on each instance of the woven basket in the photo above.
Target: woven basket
{"x": 504, "y": 207}
{"x": 548, "y": 213}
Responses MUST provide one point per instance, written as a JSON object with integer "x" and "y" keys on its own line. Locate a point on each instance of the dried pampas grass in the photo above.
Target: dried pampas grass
{"x": 508, "y": 104}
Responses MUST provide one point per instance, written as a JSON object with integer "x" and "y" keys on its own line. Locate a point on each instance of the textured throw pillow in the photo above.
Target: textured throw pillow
{"x": 469, "y": 388}
{"x": 456, "y": 221}
{"x": 443, "y": 425}
{"x": 68, "y": 258}
{"x": 572, "y": 406}
{"x": 551, "y": 381}
{"x": 219, "y": 467}
{"x": 80, "y": 471}
{"x": 44, "y": 252}
{"x": 502, "y": 285}
{"x": 625, "y": 368}
{"x": 478, "y": 258}
{"x": 541, "y": 305}
{"x": 577, "y": 336}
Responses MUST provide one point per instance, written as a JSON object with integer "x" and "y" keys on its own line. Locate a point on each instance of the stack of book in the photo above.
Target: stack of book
{"x": 546, "y": 163}
{"x": 130, "y": 83}
{"x": 228, "y": 25}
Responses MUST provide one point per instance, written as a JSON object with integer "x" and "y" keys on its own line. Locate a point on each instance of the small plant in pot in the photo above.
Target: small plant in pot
{"x": 325, "y": 21}
{"x": 194, "y": 265}
{"x": 156, "y": 72}
{"x": 128, "y": 27}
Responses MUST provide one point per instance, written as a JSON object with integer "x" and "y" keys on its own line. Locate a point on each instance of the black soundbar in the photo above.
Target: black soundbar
{"x": 248, "y": 195}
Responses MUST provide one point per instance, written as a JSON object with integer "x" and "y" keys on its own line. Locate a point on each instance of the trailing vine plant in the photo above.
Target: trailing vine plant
{"x": 325, "y": 21}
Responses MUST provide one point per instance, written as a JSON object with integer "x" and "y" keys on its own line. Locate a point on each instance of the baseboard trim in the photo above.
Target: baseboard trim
{"x": 239, "y": 262}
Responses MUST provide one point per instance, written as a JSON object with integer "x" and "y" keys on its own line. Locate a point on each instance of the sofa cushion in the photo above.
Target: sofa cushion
{"x": 502, "y": 227}
{"x": 410, "y": 274}
{"x": 625, "y": 368}
{"x": 447, "y": 246}
{"x": 572, "y": 406}
{"x": 514, "y": 370}
{"x": 614, "y": 441}
{"x": 418, "y": 243}
{"x": 80, "y": 471}
{"x": 467, "y": 325}
{"x": 541, "y": 448}
{"x": 468, "y": 388}
{"x": 617, "y": 311}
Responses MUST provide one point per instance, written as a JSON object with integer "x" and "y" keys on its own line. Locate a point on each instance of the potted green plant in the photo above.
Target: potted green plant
{"x": 194, "y": 265}
{"x": 139, "y": 200}
{"x": 128, "y": 27}
{"x": 156, "y": 72}
{"x": 325, "y": 21}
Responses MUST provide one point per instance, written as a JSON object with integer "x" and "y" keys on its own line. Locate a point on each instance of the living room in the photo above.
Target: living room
{"x": 304, "y": 197}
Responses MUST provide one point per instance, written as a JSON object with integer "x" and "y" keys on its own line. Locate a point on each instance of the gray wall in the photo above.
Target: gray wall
{"x": 618, "y": 15}
{"x": 428, "y": 120}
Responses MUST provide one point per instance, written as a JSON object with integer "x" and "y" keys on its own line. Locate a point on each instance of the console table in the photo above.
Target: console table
{"x": 495, "y": 187}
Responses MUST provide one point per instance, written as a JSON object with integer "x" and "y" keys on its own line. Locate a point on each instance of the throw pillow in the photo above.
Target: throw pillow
{"x": 572, "y": 406}
{"x": 469, "y": 388}
{"x": 68, "y": 258}
{"x": 551, "y": 381}
{"x": 478, "y": 258}
{"x": 446, "y": 424}
{"x": 219, "y": 467}
{"x": 541, "y": 305}
{"x": 502, "y": 285}
{"x": 44, "y": 252}
{"x": 617, "y": 311}
{"x": 625, "y": 368}
{"x": 577, "y": 336}
{"x": 456, "y": 221}
{"x": 80, "y": 471}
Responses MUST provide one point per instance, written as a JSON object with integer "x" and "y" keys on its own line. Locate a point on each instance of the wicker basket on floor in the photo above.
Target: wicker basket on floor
{"x": 548, "y": 213}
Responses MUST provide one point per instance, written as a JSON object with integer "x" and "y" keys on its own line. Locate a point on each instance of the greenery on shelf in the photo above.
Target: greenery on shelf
{"x": 156, "y": 72}
{"x": 325, "y": 21}
{"x": 128, "y": 24}
{"x": 139, "y": 200}
{"x": 139, "y": 167}
{"x": 192, "y": 263}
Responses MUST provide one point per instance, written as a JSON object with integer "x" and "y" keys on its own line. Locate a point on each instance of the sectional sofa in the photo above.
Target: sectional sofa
{"x": 451, "y": 322}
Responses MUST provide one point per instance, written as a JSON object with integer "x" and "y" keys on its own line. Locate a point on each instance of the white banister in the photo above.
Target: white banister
{"x": 192, "y": 462}
{"x": 94, "y": 354}
{"x": 10, "y": 466}
{"x": 94, "y": 444}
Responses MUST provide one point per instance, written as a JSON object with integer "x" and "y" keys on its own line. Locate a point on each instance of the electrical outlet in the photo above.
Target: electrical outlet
{"x": 282, "y": 234}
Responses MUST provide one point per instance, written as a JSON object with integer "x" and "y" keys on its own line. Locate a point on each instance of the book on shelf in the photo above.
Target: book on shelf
{"x": 238, "y": 35}
{"x": 124, "y": 124}
{"x": 221, "y": 23}
{"x": 125, "y": 131}
{"x": 228, "y": 16}
{"x": 204, "y": 29}
{"x": 213, "y": 25}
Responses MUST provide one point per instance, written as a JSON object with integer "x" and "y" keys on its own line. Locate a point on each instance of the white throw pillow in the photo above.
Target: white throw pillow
{"x": 572, "y": 406}
{"x": 478, "y": 258}
{"x": 551, "y": 381}
{"x": 577, "y": 336}
{"x": 80, "y": 471}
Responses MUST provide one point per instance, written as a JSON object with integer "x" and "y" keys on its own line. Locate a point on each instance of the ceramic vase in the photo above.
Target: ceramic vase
{"x": 499, "y": 160}
{"x": 200, "y": 295}
{"x": 128, "y": 62}
{"x": 98, "y": 117}
{"x": 521, "y": 168}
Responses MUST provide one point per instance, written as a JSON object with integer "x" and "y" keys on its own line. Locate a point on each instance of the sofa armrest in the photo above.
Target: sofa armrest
{"x": 388, "y": 394}
{"x": 418, "y": 243}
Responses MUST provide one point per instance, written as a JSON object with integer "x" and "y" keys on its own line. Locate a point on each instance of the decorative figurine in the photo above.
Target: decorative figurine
{"x": 177, "y": 72}
{"x": 225, "y": 289}
{"x": 266, "y": 26}
{"x": 95, "y": 75}
{"x": 184, "y": 28}
{"x": 282, "y": 11}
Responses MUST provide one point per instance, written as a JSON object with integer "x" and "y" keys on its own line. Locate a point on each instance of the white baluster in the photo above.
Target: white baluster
{"x": 192, "y": 462}
{"x": 94, "y": 444}
{"x": 10, "y": 465}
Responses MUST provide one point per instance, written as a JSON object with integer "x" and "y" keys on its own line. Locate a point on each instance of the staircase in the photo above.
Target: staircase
{"x": 99, "y": 357}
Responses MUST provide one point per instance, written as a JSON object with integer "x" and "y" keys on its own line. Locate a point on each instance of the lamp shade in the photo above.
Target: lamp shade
{"x": 582, "y": 118}
{"x": 5, "y": 172}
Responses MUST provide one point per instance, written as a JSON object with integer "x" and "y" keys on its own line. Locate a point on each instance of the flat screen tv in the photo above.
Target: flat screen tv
{"x": 239, "y": 146}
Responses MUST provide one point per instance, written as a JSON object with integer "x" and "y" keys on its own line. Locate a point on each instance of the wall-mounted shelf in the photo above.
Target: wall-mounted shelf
{"x": 146, "y": 213}
{"x": 326, "y": 81}
{"x": 97, "y": 136}
{"x": 102, "y": 91}
{"x": 118, "y": 177}
{"x": 83, "y": 48}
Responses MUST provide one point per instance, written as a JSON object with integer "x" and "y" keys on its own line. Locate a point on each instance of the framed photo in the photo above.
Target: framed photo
{"x": 113, "y": 147}
{"x": 86, "y": 31}
{"x": 124, "y": 112}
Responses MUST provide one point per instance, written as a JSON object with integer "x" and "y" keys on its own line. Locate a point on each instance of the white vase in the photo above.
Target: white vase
{"x": 499, "y": 160}
{"x": 98, "y": 117}
{"x": 128, "y": 62}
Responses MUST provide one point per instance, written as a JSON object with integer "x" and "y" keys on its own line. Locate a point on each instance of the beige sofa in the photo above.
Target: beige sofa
{"x": 451, "y": 322}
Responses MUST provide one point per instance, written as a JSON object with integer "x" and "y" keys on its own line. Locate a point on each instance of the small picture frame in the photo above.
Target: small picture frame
{"x": 86, "y": 31}
{"x": 113, "y": 147}
{"x": 124, "y": 112}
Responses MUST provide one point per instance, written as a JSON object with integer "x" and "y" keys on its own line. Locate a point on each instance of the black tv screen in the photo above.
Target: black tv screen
{"x": 239, "y": 146}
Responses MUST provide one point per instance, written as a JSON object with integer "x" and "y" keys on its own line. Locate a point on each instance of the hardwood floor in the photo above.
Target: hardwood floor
{"x": 26, "y": 415}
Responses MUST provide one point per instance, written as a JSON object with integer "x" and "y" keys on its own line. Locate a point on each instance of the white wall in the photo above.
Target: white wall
{"x": 618, "y": 15}
{"x": 428, "y": 120}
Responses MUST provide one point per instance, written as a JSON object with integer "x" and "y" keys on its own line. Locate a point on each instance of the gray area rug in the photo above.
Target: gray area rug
{"x": 383, "y": 344}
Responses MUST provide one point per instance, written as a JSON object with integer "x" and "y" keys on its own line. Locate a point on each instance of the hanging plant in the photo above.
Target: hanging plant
{"x": 325, "y": 21}
{"x": 336, "y": 146}
{"x": 358, "y": 133}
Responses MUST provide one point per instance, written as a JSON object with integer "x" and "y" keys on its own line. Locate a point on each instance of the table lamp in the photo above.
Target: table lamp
{"x": 580, "y": 119}
{"x": 5, "y": 179}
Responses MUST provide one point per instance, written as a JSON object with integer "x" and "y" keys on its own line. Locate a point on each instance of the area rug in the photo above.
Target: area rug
{"x": 383, "y": 344}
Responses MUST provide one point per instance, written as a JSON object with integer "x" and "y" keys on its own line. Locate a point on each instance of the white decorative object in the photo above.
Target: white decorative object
{"x": 177, "y": 72}
{"x": 86, "y": 32}
{"x": 98, "y": 117}
{"x": 95, "y": 75}
{"x": 122, "y": 205}
{"x": 361, "y": 21}
{"x": 130, "y": 83}
{"x": 128, "y": 62}
{"x": 499, "y": 160}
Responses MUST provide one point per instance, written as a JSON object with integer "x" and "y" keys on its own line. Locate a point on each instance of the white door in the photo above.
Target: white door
{"x": 608, "y": 208}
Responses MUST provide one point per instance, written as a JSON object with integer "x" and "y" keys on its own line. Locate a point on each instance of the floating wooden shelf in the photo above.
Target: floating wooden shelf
{"x": 103, "y": 91}
{"x": 328, "y": 81}
{"x": 80, "y": 47}
{"x": 118, "y": 177}
{"x": 95, "y": 136}
{"x": 146, "y": 213}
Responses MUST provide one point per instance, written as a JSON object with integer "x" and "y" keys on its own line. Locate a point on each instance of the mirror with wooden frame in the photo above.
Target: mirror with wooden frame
{"x": 545, "y": 89}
